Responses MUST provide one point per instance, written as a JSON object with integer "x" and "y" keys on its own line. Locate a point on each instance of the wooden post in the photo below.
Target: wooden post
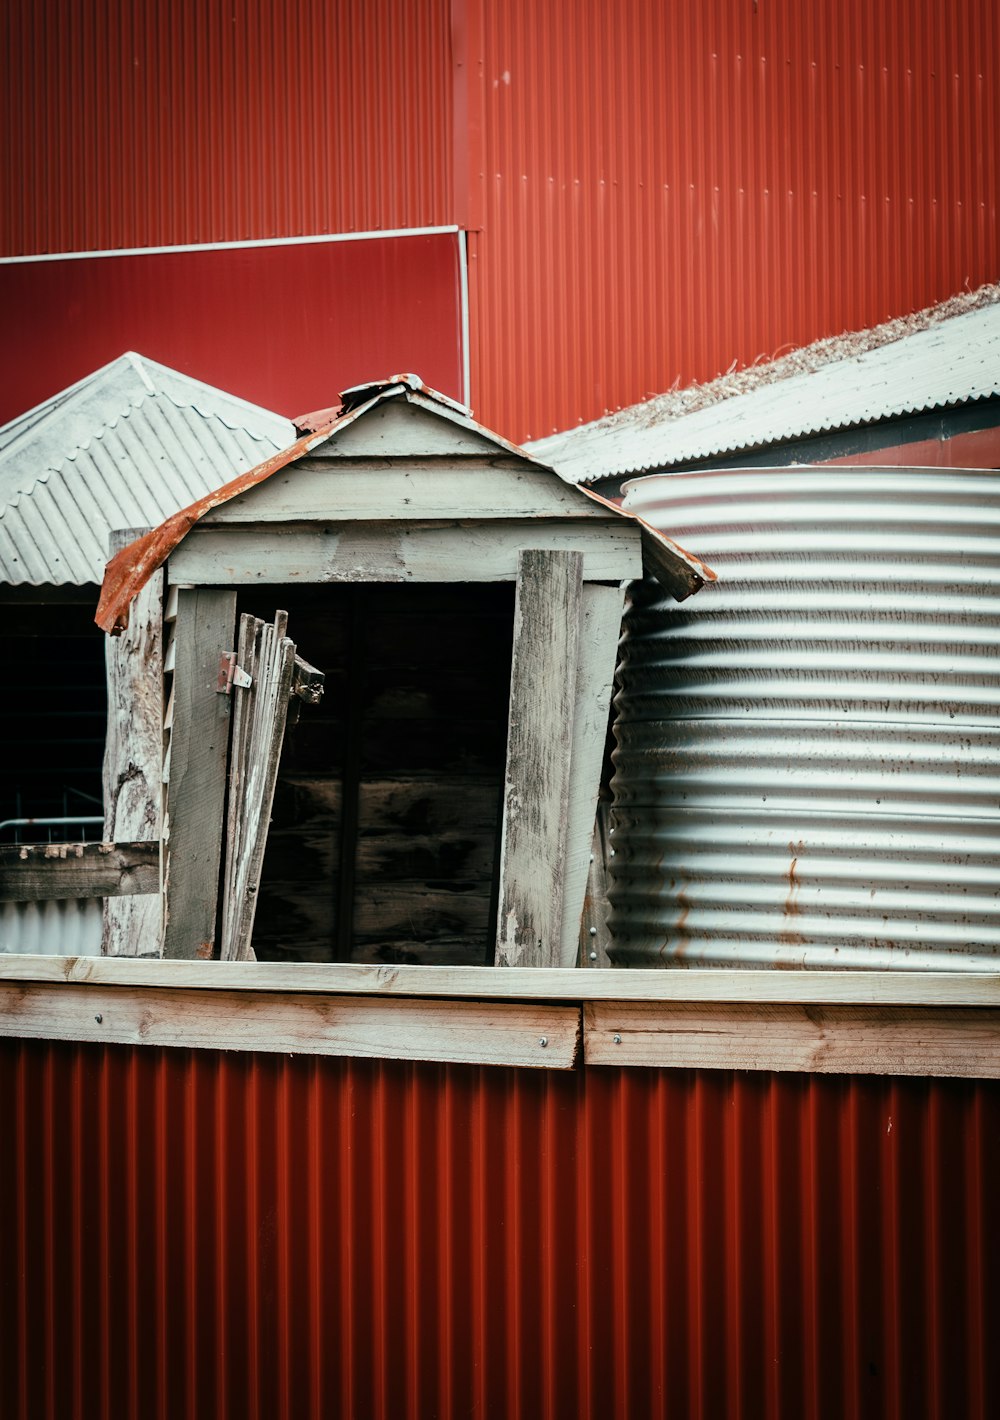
{"x": 196, "y": 793}
{"x": 539, "y": 753}
{"x": 133, "y": 750}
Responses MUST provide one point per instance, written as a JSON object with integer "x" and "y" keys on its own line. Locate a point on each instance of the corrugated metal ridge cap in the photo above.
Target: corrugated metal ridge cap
{"x": 953, "y": 348}
{"x": 129, "y": 570}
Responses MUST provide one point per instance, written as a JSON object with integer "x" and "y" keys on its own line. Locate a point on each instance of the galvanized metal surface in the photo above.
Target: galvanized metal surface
{"x": 667, "y": 190}
{"x": 808, "y": 763}
{"x": 129, "y": 126}
{"x": 951, "y": 362}
{"x": 191, "y": 1233}
{"x": 58, "y": 928}
{"x": 125, "y": 447}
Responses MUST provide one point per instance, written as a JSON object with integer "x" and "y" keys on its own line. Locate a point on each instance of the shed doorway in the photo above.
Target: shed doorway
{"x": 385, "y": 827}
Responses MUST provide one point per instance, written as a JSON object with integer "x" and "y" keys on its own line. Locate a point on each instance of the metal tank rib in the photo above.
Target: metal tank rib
{"x": 808, "y": 760}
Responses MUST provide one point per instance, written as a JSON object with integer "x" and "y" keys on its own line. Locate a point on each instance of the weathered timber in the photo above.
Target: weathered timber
{"x": 599, "y": 632}
{"x": 47, "y": 872}
{"x": 539, "y": 748}
{"x": 256, "y": 753}
{"x": 395, "y": 552}
{"x": 133, "y": 757}
{"x": 827, "y": 1039}
{"x": 381, "y": 493}
{"x": 478, "y": 1032}
{"x": 197, "y": 788}
{"x": 402, "y": 429}
{"x": 635, "y": 986}
{"x": 594, "y": 934}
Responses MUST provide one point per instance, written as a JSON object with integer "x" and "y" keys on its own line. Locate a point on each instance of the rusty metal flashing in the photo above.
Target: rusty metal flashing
{"x": 129, "y": 570}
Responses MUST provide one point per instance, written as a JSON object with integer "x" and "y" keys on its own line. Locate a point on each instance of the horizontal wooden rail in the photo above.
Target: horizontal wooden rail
{"x": 474, "y": 1032}
{"x": 899, "y": 988}
{"x": 43, "y": 872}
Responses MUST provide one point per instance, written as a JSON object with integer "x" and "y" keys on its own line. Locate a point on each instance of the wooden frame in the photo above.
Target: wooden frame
{"x": 945, "y": 1024}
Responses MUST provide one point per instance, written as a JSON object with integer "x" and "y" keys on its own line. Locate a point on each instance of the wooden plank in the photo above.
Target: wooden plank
{"x": 600, "y": 631}
{"x": 399, "y": 429}
{"x": 314, "y": 490}
{"x": 197, "y": 790}
{"x": 53, "y": 872}
{"x": 865, "y": 1040}
{"x": 394, "y": 552}
{"x": 133, "y": 757}
{"x": 594, "y": 935}
{"x": 539, "y": 747}
{"x": 913, "y": 988}
{"x": 474, "y": 1032}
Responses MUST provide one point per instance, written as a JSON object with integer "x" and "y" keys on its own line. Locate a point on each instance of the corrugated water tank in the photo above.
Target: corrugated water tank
{"x": 807, "y": 770}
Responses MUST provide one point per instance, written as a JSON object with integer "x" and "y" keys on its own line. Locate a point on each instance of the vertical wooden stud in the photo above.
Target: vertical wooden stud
{"x": 132, "y": 757}
{"x": 206, "y": 621}
{"x": 600, "y": 631}
{"x": 539, "y": 753}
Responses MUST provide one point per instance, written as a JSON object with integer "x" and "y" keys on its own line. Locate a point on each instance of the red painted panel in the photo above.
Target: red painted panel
{"x": 191, "y": 1233}
{"x": 979, "y": 448}
{"x": 127, "y": 124}
{"x": 286, "y": 327}
{"x": 671, "y": 189}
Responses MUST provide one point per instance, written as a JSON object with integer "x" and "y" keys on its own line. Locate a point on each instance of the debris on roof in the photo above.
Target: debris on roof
{"x": 131, "y": 568}
{"x": 124, "y": 447}
{"x": 944, "y": 355}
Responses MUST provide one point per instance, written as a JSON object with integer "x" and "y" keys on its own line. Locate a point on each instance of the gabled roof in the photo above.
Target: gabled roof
{"x": 124, "y": 447}
{"x": 128, "y": 572}
{"x": 945, "y": 355}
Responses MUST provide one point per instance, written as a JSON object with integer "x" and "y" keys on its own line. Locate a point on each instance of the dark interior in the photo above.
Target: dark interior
{"x": 53, "y": 706}
{"x": 384, "y": 835}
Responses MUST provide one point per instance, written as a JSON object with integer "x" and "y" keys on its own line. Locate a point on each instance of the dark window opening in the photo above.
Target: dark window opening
{"x": 384, "y": 835}
{"x": 53, "y": 709}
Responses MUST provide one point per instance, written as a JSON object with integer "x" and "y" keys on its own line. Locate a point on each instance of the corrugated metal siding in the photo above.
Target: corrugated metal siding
{"x": 69, "y": 928}
{"x": 808, "y": 762}
{"x": 129, "y": 124}
{"x": 189, "y": 1233}
{"x": 669, "y": 189}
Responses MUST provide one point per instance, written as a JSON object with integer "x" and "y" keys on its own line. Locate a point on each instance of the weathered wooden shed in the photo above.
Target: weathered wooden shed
{"x": 464, "y": 605}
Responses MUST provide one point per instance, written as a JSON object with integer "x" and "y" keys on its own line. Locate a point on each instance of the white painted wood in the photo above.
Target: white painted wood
{"x": 199, "y": 743}
{"x": 543, "y": 688}
{"x": 912, "y": 988}
{"x": 475, "y": 1032}
{"x": 312, "y": 490}
{"x": 829, "y": 1039}
{"x": 133, "y": 754}
{"x": 392, "y": 552}
{"x": 594, "y": 935}
{"x": 599, "y": 634}
{"x": 401, "y": 429}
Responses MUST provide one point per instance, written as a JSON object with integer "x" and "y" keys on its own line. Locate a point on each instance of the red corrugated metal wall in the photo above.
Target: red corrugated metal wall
{"x": 656, "y": 191}
{"x": 189, "y": 1233}
{"x": 669, "y": 189}
{"x": 155, "y": 122}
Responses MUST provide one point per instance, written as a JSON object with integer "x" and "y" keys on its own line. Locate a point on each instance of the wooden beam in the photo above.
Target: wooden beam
{"x": 539, "y": 750}
{"x": 199, "y": 743}
{"x": 54, "y": 872}
{"x": 396, "y": 552}
{"x": 133, "y": 757}
{"x": 600, "y": 632}
{"x": 316, "y": 489}
{"x": 474, "y": 1032}
{"x": 864, "y": 1040}
{"x": 903, "y": 988}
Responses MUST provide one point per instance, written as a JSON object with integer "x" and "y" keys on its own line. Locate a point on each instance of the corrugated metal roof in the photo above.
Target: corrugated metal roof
{"x": 125, "y": 447}
{"x": 951, "y": 357}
